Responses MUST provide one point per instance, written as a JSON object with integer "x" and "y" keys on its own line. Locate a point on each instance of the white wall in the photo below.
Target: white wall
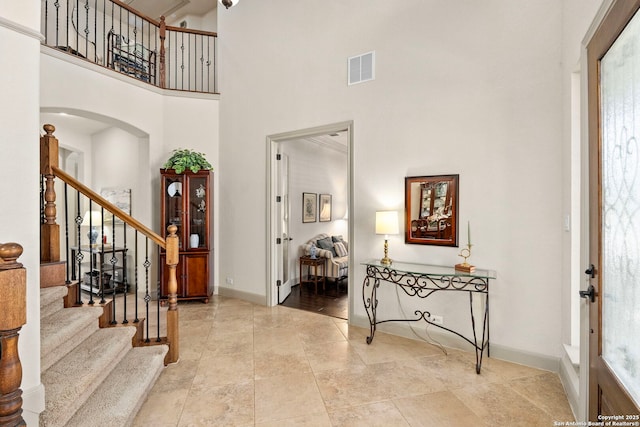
{"x": 461, "y": 87}
{"x": 19, "y": 115}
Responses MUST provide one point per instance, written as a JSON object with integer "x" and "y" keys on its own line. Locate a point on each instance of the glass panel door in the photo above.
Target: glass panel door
{"x": 173, "y": 187}
{"x": 620, "y": 210}
{"x": 197, "y": 212}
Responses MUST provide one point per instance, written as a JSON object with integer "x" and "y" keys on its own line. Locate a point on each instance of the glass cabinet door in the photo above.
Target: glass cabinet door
{"x": 173, "y": 206}
{"x": 197, "y": 212}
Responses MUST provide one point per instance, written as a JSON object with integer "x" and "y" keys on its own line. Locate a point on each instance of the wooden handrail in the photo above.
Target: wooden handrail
{"x": 108, "y": 206}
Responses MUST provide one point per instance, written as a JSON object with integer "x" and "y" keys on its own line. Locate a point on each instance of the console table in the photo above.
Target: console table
{"x": 422, "y": 281}
{"x": 104, "y": 260}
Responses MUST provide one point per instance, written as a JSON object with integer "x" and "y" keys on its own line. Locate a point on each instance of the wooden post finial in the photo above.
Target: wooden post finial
{"x": 9, "y": 253}
{"x": 49, "y": 129}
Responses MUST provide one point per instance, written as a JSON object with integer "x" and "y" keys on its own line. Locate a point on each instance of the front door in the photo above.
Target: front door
{"x": 614, "y": 215}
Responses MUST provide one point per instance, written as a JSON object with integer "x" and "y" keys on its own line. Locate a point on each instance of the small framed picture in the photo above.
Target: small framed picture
{"x": 309, "y": 207}
{"x": 325, "y": 207}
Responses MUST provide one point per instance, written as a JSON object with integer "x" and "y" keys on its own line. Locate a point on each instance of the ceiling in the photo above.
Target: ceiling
{"x": 172, "y": 8}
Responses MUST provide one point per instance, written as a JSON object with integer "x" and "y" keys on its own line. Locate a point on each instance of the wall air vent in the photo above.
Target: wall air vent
{"x": 362, "y": 68}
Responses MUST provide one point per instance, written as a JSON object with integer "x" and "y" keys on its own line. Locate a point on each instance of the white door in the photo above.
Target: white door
{"x": 282, "y": 199}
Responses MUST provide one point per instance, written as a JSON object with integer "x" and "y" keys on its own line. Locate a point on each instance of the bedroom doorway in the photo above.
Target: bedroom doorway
{"x": 315, "y": 161}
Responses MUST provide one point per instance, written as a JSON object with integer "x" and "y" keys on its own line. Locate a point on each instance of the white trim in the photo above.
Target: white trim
{"x": 18, "y": 28}
{"x": 272, "y": 149}
{"x": 33, "y": 404}
{"x": 570, "y": 378}
{"x": 603, "y": 11}
{"x": 522, "y": 357}
{"x": 245, "y": 296}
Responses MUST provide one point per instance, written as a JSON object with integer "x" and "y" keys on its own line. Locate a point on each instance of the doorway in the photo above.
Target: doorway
{"x": 287, "y": 233}
{"x": 614, "y": 215}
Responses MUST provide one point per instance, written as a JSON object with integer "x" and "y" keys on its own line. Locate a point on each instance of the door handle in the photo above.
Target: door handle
{"x": 591, "y": 271}
{"x": 589, "y": 293}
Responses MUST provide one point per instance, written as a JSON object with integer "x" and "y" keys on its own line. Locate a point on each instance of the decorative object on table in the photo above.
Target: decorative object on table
{"x": 313, "y": 251}
{"x": 431, "y": 210}
{"x": 325, "y": 207}
{"x": 200, "y": 192}
{"x": 309, "y": 207}
{"x": 466, "y": 253}
{"x": 194, "y": 240}
{"x": 92, "y": 219}
{"x": 120, "y": 197}
{"x": 386, "y": 223}
{"x": 183, "y": 159}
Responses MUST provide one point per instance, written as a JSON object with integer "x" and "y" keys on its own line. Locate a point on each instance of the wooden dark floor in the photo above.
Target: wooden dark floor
{"x": 330, "y": 303}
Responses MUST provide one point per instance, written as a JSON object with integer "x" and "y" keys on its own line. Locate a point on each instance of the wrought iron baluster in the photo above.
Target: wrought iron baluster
{"x": 125, "y": 285}
{"x": 135, "y": 276}
{"x": 86, "y": 28}
{"x": 79, "y": 254}
{"x": 95, "y": 31}
{"x": 66, "y": 232}
{"x": 104, "y": 32}
{"x": 113, "y": 262}
{"x": 147, "y": 297}
{"x": 182, "y": 61}
{"x": 101, "y": 277}
{"x": 91, "y": 255}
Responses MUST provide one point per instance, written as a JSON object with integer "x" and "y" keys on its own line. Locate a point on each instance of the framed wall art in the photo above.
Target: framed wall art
{"x": 309, "y": 207}
{"x": 325, "y": 207}
{"x": 431, "y": 210}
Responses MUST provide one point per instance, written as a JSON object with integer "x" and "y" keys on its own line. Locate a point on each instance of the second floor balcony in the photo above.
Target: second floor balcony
{"x": 114, "y": 35}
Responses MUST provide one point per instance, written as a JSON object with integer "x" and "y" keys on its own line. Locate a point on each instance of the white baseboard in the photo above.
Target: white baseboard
{"x": 522, "y": 357}
{"x": 33, "y": 404}
{"x": 246, "y": 296}
{"x": 570, "y": 378}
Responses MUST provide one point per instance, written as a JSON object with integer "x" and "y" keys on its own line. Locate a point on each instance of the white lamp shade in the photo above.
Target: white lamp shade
{"x": 387, "y": 222}
{"x": 93, "y": 218}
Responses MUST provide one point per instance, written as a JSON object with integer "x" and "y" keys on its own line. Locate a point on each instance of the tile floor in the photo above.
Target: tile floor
{"x": 248, "y": 365}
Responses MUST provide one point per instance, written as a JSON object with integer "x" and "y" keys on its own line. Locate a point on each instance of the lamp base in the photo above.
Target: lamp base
{"x": 93, "y": 236}
{"x": 467, "y": 268}
{"x": 386, "y": 261}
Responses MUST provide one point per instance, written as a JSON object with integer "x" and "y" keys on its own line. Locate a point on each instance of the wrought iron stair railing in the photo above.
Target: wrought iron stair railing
{"x": 121, "y": 294}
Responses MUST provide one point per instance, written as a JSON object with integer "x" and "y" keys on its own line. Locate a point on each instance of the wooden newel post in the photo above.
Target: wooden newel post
{"x": 163, "y": 36}
{"x": 49, "y": 230}
{"x": 173, "y": 334}
{"x": 13, "y": 314}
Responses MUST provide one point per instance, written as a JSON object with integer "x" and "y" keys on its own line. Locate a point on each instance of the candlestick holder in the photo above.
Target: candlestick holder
{"x": 465, "y": 266}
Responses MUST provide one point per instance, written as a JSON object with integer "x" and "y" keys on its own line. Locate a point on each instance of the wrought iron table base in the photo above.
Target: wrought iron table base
{"x": 423, "y": 285}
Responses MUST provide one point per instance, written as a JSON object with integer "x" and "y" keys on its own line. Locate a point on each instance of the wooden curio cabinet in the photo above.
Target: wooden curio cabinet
{"x": 186, "y": 203}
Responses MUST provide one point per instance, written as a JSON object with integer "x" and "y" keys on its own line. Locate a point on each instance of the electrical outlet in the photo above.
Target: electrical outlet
{"x": 229, "y": 280}
{"x": 437, "y": 320}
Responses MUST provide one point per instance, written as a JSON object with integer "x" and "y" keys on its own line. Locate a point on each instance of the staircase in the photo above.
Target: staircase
{"x": 91, "y": 375}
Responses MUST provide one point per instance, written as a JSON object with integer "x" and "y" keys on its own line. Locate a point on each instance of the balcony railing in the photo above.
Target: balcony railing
{"x": 116, "y": 36}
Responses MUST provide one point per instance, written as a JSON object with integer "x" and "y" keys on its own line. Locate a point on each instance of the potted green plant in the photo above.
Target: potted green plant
{"x": 183, "y": 159}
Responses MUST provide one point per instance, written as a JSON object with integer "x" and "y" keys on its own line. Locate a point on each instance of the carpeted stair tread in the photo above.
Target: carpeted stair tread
{"x": 52, "y": 300}
{"x": 65, "y": 329}
{"x": 71, "y": 381}
{"x": 117, "y": 401}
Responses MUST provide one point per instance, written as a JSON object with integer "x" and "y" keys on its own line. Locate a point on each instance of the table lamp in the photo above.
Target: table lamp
{"x": 387, "y": 223}
{"x": 92, "y": 219}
